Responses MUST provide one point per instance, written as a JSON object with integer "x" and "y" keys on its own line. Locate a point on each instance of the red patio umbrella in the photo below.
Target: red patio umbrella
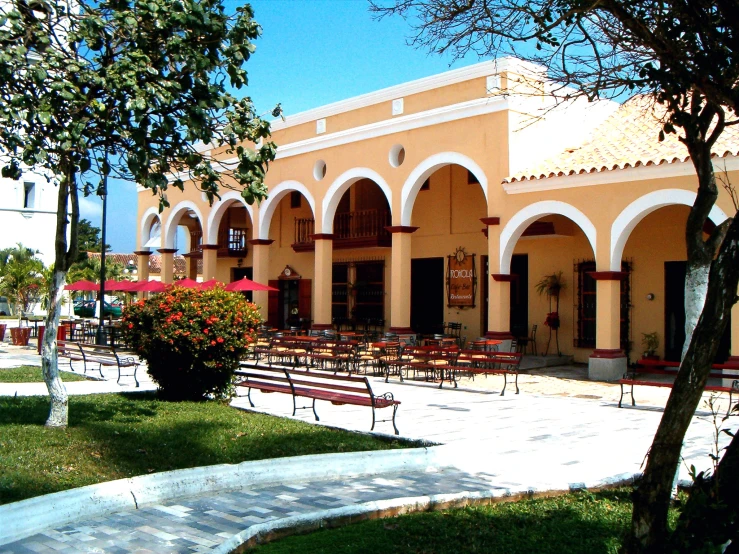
{"x": 82, "y": 286}
{"x": 111, "y": 285}
{"x": 150, "y": 286}
{"x": 213, "y": 283}
{"x": 187, "y": 283}
{"x": 247, "y": 284}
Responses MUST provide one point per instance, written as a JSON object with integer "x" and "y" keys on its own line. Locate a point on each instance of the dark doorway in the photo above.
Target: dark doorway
{"x": 675, "y": 316}
{"x": 239, "y": 273}
{"x": 427, "y": 295}
{"x": 288, "y": 306}
{"x": 519, "y": 320}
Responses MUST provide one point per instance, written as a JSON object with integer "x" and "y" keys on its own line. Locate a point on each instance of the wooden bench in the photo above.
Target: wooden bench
{"x": 266, "y": 379}
{"x": 71, "y": 351}
{"x": 489, "y": 363}
{"x": 631, "y": 381}
{"x": 339, "y": 389}
{"x": 107, "y": 356}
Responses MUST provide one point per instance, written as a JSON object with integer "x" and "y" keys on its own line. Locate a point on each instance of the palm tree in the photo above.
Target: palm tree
{"x": 21, "y": 280}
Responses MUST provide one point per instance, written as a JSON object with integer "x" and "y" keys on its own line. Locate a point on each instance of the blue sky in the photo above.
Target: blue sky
{"x": 311, "y": 53}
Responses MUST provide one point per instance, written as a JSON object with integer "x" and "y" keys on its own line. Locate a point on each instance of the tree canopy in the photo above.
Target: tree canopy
{"x": 136, "y": 89}
{"x": 685, "y": 55}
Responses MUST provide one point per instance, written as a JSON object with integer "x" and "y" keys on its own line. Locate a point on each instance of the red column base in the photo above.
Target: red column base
{"x": 499, "y": 335}
{"x": 733, "y": 362}
{"x": 608, "y": 354}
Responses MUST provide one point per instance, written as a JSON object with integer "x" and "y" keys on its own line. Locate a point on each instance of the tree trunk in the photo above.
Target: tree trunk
{"x": 58, "y": 414}
{"x": 652, "y": 496}
{"x": 649, "y": 533}
{"x": 59, "y": 410}
{"x": 696, "y": 286}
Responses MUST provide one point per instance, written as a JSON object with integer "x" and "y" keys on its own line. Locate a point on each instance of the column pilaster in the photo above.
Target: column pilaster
{"x": 210, "y": 261}
{"x": 608, "y": 361}
{"x": 734, "y": 358}
{"x": 142, "y": 267}
{"x": 324, "y": 255}
{"x": 400, "y": 279}
{"x": 499, "y": 287}
{"x": 260, "y": 272}
{"x": 167, "y": 267}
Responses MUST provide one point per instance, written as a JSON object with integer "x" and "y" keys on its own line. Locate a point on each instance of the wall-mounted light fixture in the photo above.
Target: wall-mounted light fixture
{"x": 239, "y": 262}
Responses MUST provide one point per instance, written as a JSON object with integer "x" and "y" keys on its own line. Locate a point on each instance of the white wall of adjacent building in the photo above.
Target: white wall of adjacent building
{"x": 28, "y": 214}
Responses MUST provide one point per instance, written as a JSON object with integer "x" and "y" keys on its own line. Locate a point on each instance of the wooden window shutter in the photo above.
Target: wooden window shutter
{"x": 304, "y": 298}
{"x": 272, "y": 298}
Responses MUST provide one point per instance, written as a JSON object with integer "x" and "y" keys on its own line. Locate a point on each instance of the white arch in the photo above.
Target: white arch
{"x": 146, "y": 221}
{"x": 219, "y": 208}
{"x": 424, "y": 170}
{"x": 640, "y": 208}
{"x": 173, "y": 220}
{"x": 339, "y": 187}
{"x": 267, "y": 209}
{"x": 519, "y": 222}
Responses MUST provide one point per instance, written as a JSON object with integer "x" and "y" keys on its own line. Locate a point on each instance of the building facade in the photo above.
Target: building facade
{"x": 28, "y": 214}
{"x": 448, "y": 199}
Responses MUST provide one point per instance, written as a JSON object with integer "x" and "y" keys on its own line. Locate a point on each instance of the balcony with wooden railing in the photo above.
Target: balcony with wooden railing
{"x": 357, "y": 229}
{"x": 231, "y": 243}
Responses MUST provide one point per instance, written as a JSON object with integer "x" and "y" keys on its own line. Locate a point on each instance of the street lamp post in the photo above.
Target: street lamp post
{"x": 103, "y": 192}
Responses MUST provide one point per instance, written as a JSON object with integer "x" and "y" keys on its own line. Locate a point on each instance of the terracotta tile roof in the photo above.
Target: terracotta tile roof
{"x": 155, "y": 262}
{"x": 628, "y": 138}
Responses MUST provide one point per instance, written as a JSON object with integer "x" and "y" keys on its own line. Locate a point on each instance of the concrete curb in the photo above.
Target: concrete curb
{"x": 337, "y": 517}
{"x": 26, "y": 517}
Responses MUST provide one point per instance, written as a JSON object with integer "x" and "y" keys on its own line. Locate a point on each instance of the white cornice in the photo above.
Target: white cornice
{"x": 437, "y": 116}
{"x": 609, "y": 177}
{"x": 462, "y": 74}
{"x": 445, "y": 114}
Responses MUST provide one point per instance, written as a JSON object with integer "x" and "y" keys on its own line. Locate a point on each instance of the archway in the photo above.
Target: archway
{"x": 425, "y": 169}
{"x": 342, "y": 184}
{"x": 151, "y": 229}
{"x": 229, "y": 200}
{"x": 548, "y": 241}
{"x": 640, "y": 208}
{"x": 655, "y": 245}
{"x": 268, "y": 207}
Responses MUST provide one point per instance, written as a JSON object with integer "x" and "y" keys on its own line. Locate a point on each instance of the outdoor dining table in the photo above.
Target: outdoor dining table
{"x": 349, "y": 335}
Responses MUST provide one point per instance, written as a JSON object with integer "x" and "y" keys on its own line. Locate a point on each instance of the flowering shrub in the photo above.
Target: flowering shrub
{"x": 192, "y": 340}
{"x": 552, "y": 320}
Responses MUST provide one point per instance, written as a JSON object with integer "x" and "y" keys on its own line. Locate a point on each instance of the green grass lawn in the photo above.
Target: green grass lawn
{"x": 579, "y": 523}
{"x": 32, "y": 374}
{"x": 112, "y": 436}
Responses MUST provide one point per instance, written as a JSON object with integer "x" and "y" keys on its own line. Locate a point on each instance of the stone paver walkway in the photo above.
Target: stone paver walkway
{"x": 530, "y": 441}
{"x": 199, "y": 524}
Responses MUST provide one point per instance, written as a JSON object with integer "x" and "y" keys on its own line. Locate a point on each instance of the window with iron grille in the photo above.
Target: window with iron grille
{"x": 586, "y": 304}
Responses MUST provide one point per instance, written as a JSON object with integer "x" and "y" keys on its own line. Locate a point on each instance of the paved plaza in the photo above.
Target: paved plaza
{"x": 557, "y": 434}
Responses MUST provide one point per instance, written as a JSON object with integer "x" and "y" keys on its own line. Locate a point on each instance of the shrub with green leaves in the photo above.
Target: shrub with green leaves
{"x": 192, "y": 340}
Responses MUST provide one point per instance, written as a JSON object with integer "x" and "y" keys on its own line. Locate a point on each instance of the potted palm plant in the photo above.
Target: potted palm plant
{"x": 650, "y": 342}
{"x": 552, "y": 286}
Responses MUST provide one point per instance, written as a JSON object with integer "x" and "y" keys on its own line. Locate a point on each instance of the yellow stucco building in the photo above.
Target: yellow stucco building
{"x": 448, "y": 199}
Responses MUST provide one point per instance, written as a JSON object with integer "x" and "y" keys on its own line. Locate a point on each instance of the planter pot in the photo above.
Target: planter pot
{"x": 3, "y": 326}
{"x": 19, "y": 336}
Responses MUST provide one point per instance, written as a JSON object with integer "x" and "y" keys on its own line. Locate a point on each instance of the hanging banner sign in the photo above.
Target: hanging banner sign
{"x": 461, "y": 280}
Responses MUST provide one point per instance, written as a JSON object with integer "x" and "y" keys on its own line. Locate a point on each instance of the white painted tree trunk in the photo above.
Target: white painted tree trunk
{"x": 696, "y": 286}
{"x": 59, "y": 412}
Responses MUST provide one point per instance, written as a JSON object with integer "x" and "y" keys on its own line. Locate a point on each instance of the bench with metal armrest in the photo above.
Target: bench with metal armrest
{"x": 339, "y": 389}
